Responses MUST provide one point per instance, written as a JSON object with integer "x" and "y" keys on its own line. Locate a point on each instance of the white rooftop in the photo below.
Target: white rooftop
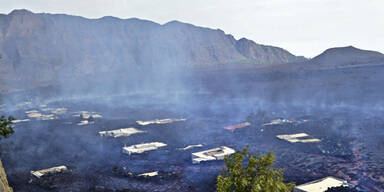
{"x": 298, "y": 138}
{"x": 141, "y": 148}
{"x": 150, "y": 174}
{"x": 42, "y": 172}
{"x": 320, "y": 185}
{"x": 212, "y": 154}
{"x": 159, "y": 121}
{"x": 120, "y": 132}
{"x": 20, "y": 120}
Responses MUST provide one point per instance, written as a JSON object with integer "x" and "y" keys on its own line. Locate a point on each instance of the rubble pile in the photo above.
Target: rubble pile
{"x": 51, "y": 178}
{"x": 41, "y": 173}
{"x": 87, "y": 117}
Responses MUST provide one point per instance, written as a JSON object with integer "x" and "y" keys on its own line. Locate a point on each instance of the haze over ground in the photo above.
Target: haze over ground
{"x": 303, "y": 27}
{"x": 68, "y": 78}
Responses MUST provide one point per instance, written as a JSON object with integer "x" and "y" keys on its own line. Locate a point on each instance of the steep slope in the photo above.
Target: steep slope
{"x": 41, "y": 48}
{"x": 265, "y": 54}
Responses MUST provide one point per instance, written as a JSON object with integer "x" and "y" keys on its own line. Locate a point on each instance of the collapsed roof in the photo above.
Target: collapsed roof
{"x": 212, "y": 154}
{"x": 238, "y": 126}
{"x": 52, "y": 170}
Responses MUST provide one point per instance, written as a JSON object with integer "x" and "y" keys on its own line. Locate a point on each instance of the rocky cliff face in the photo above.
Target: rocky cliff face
{"x": 39, "y": 48}
{"x": 265, "y": 54}
{"x": 4, "y": 187}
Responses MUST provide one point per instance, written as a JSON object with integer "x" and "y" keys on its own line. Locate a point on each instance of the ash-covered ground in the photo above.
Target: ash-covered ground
{"x": 351, "y": 147}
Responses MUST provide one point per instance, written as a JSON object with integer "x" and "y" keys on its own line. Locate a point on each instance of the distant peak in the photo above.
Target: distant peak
{"x": 20, "y": 12}
{"x": 348, "y": 50}
{"x": 178, "y": 24}
{"x": 174, "y": 22}
{"x": 351, "y": 47}
{"x": 110, "y": 18}
{"x": 346, "y": 55}
{"x": 243, "y": 39}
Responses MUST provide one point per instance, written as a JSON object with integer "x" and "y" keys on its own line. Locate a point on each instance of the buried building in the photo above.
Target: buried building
{"x": 125, "y": 132}
{"x": 149, "y": 174}
{"x": 88, "y": 115}
{"x": 190, "y": 147}
{"x": 53, "y": 170}
{"x": 212, "y": 154}
{"x": 20, "y": 120}
{"x": 85, "y": 122}
{"x": 159, "y": 121}
{"x": 141, "y": 148}
{"x": 279, "y": 121}
{"x": 320, "y": 185}
{"x": 299, "y": 138}
{"x": 282, "y": 121}
{"x": 39, "y": 116}
{"x": 238, "y": 126}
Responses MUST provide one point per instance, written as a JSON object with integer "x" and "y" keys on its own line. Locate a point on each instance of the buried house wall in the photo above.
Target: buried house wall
{"x": 4, "y": 187}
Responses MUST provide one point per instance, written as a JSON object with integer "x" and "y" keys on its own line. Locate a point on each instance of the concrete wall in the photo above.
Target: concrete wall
{"x": 4, "y": 187}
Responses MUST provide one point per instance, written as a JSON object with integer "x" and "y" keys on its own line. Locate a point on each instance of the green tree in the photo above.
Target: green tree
{"x": 6, "y": 128}
{"x": 251, "y": 173}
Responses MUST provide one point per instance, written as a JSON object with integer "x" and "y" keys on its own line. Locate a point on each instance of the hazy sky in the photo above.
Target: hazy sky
{"x": 303, "y": 27}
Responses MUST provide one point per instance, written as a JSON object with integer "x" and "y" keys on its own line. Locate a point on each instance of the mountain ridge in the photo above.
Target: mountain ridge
{"x": 44, "y": 48}
{"x": 39, "y": 48}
